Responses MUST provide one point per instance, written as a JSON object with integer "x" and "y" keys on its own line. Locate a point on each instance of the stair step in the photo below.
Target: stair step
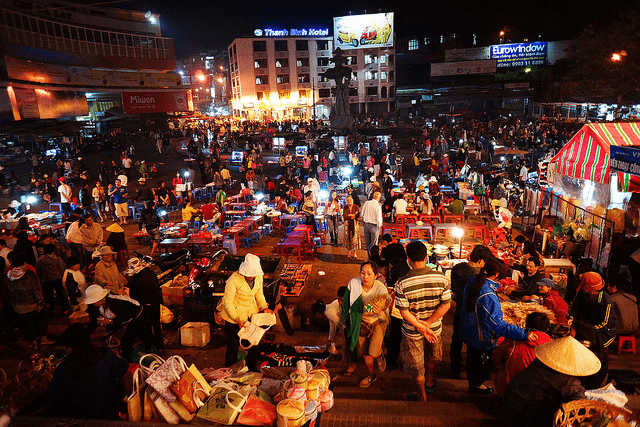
{"x": 434, "y": 413}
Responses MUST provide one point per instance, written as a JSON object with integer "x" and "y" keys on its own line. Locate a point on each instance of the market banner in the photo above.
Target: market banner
{"x": 155, "y": 102}
{"x": 625, "y": 159}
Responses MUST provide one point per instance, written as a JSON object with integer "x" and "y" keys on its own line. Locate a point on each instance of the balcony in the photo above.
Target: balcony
{"x": 282, "y": 70}
{"x": 371, "y": 98}
{"x": 302, "y": 53}
{"x": 259, "y": 55}
{"x": 284, "y": 86}
{"x": 282, "y": 54}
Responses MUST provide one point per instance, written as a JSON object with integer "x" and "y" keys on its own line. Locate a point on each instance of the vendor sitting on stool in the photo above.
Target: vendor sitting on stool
{"x": 189, "y": 213}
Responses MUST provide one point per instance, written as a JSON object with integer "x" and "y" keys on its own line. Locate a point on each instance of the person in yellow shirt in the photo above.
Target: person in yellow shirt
{"x": 189, "y": 212}
{"x": 243, "y": 297}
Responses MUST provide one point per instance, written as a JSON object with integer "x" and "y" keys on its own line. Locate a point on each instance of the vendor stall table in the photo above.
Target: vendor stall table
{"x": 290, "y": 243}
{"x": 302, "y": 230}
{"x": 406, "y": 219}
{"x": 442, "y": 231}
{"x": 420, "y": 231}
{"x": 56, "y": 205}
{"x": 286, "y": 219}
{"x": 210, "y": 242}
{"x": 474, "y": 209}
{"x": 173, "y": 244}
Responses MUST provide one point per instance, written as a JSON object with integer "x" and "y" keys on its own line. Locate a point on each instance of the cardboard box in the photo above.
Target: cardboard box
{"x": 172, "y": 295}
{"x": 195, "y": 334}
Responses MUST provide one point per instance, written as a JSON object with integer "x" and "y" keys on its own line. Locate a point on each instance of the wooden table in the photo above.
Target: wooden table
{"x": 302, "y": 230}
{"x": 208, "y": 242}
{"x": 234, "y": 232}
{"x": 168, "y": 244}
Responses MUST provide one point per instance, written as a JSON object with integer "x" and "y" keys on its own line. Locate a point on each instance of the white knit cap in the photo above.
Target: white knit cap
{"x": 250, "y": 267}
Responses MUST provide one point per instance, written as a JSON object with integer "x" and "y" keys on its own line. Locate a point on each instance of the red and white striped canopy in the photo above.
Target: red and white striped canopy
{"x": 586, "y": 155}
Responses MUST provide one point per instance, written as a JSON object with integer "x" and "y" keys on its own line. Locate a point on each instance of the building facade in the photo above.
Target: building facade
{"x": 207, "y": 75}
{"x": 279, "y": 74}
{"x": 62, "y": 59}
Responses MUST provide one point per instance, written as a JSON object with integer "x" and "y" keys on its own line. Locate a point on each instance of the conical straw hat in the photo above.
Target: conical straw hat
{"x": 568, "y": 356}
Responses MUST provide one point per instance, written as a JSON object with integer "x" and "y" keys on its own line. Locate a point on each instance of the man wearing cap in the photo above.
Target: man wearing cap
{"x": 120, "y": 311}
{"x": 534, "y": 395}
{"x": 65, "y": 196}
{"x": 106, "y": 272}
{"x": 144, "y": 192}
{"x": 594, "y": 306}
{"x": 144, "y": 288}
{"x": 371, "y": 214}
{"x": 552, "y": 300}
{"x": 312, "y": 188}
{"x": 243, "y": 297}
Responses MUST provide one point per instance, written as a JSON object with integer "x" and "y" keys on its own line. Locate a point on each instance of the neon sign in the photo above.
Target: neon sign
{"x": 293, "y": 32}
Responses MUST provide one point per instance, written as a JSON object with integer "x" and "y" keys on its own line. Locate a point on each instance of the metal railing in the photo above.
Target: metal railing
{"x": 558, "y": 205}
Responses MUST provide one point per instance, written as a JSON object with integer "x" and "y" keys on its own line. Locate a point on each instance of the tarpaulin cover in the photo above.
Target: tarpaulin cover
{"x": 586, "y": 155}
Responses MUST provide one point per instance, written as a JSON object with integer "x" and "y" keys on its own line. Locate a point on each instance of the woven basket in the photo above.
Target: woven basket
{"x": 573, "y": 413}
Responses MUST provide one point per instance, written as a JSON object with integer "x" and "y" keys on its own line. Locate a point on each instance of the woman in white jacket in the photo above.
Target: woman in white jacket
{"x": 243, "y": 297}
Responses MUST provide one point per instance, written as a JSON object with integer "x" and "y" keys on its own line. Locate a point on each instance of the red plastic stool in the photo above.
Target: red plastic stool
{"x": 627, "y": 338}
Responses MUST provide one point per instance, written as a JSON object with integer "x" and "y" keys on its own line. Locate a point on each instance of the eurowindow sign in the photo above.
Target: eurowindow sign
{"x": 293, "y": 32}
{"x": 519, "y": 54}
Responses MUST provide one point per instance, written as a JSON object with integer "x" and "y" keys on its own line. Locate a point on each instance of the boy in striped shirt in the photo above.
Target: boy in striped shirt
{"x": 423, "y": 297}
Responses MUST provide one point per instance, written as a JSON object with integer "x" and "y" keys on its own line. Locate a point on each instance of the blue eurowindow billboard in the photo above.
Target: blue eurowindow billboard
{"x": 519, "y": 54}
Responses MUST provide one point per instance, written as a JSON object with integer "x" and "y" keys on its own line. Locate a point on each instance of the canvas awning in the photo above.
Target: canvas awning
{"x": 586, "y": 155}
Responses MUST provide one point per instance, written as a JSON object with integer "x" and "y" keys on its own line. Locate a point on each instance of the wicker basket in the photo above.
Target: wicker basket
{"x": 573, "y": 413}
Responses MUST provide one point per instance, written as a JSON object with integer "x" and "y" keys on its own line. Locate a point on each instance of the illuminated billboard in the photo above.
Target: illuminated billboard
{"x": 519, "y": 54}
{"x": 363, "y": 31}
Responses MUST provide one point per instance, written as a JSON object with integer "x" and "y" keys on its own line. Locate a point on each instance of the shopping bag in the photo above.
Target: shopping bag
{"x": 163, "y": 377}
{"x": 223, "y": 406}
{"x": 164, "y": 409}
{"x": 182, "y": 412}
{"x": 257, "y": 412}
{"x": 148, "y": 408}
{"x": 135, "y": 399}
{"x": 252, "y": 332}
{"x": 184, "y": 390}
{"x": 198, "y": 375}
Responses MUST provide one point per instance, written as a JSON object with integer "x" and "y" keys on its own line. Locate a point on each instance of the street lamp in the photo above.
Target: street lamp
{"x": 501, "y": 36}
{"x": 458, "y": 233}
{"x": 616, "y": 57}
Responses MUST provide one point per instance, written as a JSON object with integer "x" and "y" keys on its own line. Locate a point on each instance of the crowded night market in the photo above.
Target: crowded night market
{"x": 187, "y": 256}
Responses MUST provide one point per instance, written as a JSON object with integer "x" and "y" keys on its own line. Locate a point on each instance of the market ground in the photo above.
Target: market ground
{"x": 383, "y": 404}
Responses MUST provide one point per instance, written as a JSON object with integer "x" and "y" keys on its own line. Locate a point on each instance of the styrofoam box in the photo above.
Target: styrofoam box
{"x": 195, "y": 334}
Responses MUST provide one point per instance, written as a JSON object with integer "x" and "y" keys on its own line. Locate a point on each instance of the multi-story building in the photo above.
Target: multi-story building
{"x": 207, "y": 74}
{"x": 279, "y": 73}
{"x": 64, "y": 59}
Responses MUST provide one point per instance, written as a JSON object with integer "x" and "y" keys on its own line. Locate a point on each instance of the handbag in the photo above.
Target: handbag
{"x": 257, "y": 412}
{"x": 164, "y": 409}
{"x": 135, "y": 399}
{"x": 223, "y": 406}
{"x": 163, "y": 377}
{"x": 184, "y": 391}
{"x": 148, "y": 408}
{"x": 251, "y": 333}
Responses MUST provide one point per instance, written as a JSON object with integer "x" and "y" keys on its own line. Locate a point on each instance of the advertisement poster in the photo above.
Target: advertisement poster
{"x": 56, "y": 104}
{"x": 470, "y": 54}
{"x": 519, "y": 54}
{"x": 27, "y": 103}
{"x": 624, "y": 159}
{"x": 461, "y": 68}
{"x": 155, "y": 102}
{"x": 30, "y": 71}
{"x": 363, "y": 31}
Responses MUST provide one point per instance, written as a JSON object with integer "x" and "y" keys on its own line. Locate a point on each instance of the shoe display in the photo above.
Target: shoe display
{"x": 366, "y": 381}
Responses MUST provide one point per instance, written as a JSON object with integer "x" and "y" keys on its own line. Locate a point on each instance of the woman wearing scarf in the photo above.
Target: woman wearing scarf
{"x": 350, "y": 215}
{"x": 365, "y": 315}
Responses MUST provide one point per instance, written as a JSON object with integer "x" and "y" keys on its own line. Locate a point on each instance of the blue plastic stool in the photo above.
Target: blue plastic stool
{"x": 267, "y": 229}
{"x": 246, "y": 242}
{"x": 227, "y": 224}
{"x": 290, "y": 228}
{"x": 255, "y": 236}
{"x": 317, "y": 241}
{"x": 197, "y": 224}
{"x": 230, "y": 246}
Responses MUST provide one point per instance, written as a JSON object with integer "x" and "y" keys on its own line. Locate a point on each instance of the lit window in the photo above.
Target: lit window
{"x": 383, "y": 75}
{"x": 413, "y": 44}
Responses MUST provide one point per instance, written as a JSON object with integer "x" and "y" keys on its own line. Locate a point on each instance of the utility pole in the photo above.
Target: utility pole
{"x": 313, "y": 98}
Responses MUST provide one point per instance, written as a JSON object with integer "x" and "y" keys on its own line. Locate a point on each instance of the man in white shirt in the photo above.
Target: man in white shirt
{"x": 74, "y": 242}
{"x": 65, "y": 196}
{"x": 524, "y": 174}
{"x": 400, "y": 207}
{"x": 371, "y": 214}
{"x": 311, "y": 187}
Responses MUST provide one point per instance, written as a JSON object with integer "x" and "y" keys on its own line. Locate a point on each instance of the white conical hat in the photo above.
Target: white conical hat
{"x": 568, "y": 356}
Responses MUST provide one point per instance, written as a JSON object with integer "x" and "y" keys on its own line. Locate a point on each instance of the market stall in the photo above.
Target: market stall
{"x": 584, "y": 188}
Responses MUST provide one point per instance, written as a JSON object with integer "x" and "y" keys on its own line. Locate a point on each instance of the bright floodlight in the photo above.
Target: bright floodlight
{"x": 347, "y": 171}
{"x": 32, "y": 199}
{"x": 457, "y": 232}
{"x": 186, "y": 174}
{"x": 162, "y": 213}
{"x": 259, "y": 196}
{"x": 502, "y": 159}
{"x": 324, "y": 194}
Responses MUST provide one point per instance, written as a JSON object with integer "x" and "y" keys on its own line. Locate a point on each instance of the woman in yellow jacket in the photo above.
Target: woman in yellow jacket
{"x": 243, "y": 297}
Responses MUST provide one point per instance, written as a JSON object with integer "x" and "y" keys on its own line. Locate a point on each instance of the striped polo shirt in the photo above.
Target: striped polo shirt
{"x": 421, "y": 292}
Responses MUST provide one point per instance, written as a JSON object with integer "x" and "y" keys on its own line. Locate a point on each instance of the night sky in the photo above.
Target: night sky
{"x": 198, "y": 25}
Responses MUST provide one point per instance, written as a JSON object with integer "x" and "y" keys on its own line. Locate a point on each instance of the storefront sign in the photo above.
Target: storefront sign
{"x": 520, "y": 54}
{"x": 363, "y": 31}
{"x": 470, "y": 54}
{"x": 461, "y": 68}
{"x": 625, "y": 159}
{"x": 293, "y": 32}
{"x": 154, "y": 102}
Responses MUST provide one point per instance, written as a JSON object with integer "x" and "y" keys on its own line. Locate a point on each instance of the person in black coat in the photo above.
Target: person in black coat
{"x": 145, "y": 288}
{"x": 88, "y": 381}
{"x": 532, "y": 275}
